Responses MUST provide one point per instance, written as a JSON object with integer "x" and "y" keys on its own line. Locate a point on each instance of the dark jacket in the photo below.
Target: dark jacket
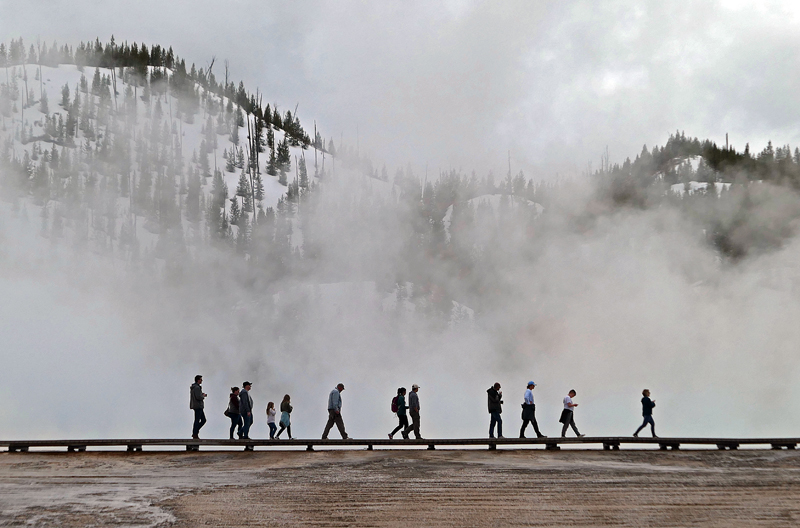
{"x": 401, "y": 405}
{"x": 495, "y": 402}
{"x": 233, "y": 404}
{"x": 286, "y": 407}
{"x": 196, "y": 396}
{"x": 647, "y": 406}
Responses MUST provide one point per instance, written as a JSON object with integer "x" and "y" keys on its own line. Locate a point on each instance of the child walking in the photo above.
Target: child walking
{"x": 271, "y": 419}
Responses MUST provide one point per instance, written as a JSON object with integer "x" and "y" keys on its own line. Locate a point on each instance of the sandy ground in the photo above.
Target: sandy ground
{"x": 402, "y": 488}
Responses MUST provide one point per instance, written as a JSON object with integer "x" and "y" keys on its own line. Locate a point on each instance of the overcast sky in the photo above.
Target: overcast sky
{"x": 456, "y": 84}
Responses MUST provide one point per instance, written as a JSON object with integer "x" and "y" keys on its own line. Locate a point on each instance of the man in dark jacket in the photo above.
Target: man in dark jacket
{"x": 647, "y": 413}
{"x": 196, "y": 397}
{"x": 246, "y": 409}
{"x": 495, "y": 408}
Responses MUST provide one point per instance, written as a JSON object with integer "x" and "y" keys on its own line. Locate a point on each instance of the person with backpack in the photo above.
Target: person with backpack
{"x": 271, "y": 419}
{"x": 399, "y": 407}
{"x": 232, "y": 412}
{"x": 647, "y": 413}
{"x": 567, "y": 415}
{"x": 529, "y": 412}
{"x": 495, "y": 408}
{"x": 286, "y": 422}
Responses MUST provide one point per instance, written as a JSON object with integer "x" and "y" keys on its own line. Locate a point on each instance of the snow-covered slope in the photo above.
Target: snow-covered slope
{"x": 122, "y": 133}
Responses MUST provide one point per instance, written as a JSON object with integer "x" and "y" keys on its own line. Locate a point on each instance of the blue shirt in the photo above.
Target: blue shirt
{"x": 528, "y": 397}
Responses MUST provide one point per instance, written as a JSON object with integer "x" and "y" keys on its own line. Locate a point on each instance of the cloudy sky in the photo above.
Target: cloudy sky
{"x": 457, "y": 84}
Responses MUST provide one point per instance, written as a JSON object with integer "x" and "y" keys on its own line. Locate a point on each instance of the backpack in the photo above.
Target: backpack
{"x": 394, "y": 404}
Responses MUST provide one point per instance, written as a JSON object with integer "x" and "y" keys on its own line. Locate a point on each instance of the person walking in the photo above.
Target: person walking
{"x": 413, "y": 407}
{"x": 271, "y": 419}
{"x": 335, "y": 412}
{"x": 567, "y": 415}
{"x": 647, "y": 412}
{"x": 196, "y": 397}
{"x": 400, "y": 407}
{"x": 495, "y": 408}
{"x": 529, "y": 412}
{"x": 233, "y": 412}
{"x": 246, "y": 409}
{"x": 286, "y": 422}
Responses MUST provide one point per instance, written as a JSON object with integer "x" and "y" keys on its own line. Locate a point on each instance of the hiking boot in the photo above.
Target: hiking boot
{"x": 391, "y": 437}
{"x": 636, "y": 435}
{"x": 195, "y": 437}
{"x": 581, "y": 436}
{"x": 523, "y": 436}
{"x": 541, "y": 436}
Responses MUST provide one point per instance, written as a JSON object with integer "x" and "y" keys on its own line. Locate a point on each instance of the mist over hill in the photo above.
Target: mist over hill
{"x": 175, "y": 224}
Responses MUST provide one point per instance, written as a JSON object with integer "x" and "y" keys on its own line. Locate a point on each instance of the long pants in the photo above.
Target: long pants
{"x": 496, "y": 419}
{"x": 525, "y": 426}
{"x": 647, "y": 420}
{"x": 570, "y": 422}
{"x": 272, "y": 429}
{"x": 414, "y": 425}
{"x": 287, "y": 428}
{"x": 199, "y": 421}
{"x": 334, "y": 417}
{"x": 236, "y": 421}
{"x": 248, "y": 421}
{"x": 402, "y": 425}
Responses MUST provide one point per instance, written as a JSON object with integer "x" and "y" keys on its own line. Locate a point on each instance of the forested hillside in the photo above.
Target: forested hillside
{"x": 125, "y": 150}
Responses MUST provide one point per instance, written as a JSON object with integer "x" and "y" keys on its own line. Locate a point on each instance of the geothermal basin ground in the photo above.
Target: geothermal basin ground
{"x": 355, "y": 488}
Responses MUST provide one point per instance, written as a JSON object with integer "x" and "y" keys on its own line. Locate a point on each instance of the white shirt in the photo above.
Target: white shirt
{"x": 567, "y": 402}
{"x": 271, "y": 415}
{"x": 528, "y": 396}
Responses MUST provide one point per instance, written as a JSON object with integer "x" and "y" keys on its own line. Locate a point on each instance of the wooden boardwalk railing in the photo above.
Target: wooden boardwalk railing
{"x": 608, "y": 443}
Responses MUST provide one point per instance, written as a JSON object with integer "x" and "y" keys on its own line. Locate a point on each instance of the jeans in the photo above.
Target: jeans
{"x": 647, "y": 420}
{"x": 414, "y": 425}
{"x": 272, "y": 429}
{"x": 199, "y": 421}
{"x": 236, "y": 421}
{"x": 248, "y": 421}
{"x": 402, "y": 425}
{"x": 496, "y": 419}
{"x": 334, "y": 417}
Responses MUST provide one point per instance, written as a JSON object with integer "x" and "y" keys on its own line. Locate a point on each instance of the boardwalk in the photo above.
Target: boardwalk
{"x": 607, "y": 443}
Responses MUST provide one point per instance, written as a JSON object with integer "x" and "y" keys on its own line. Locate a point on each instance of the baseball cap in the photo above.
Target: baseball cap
{"x": 531, "y": 383}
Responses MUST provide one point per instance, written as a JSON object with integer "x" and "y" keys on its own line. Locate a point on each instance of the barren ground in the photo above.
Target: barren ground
{"x": 402, "y": 488}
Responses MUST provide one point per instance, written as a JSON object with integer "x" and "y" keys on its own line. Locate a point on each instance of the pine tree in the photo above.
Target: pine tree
{"x": 43, "y": 106}
{"x": 243, "y": 190}
{"x": 259, "y": 189}
{"x": 234, "y": 137}
{"x": 303, "y": 173}
{"x": 65, "y": 96}
{"x": 234, "y": 210}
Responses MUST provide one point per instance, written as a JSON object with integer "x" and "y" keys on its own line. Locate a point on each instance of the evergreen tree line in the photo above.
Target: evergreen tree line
{"x": 141, "y": 59}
